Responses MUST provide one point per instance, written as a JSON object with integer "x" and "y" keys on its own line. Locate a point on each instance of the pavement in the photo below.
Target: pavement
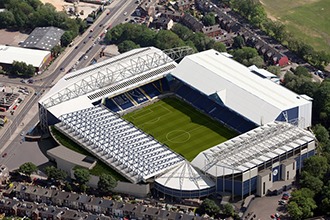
{"x": 264, "y": 207}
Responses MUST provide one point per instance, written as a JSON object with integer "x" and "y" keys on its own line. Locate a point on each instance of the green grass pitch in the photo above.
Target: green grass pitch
{"x": 179, "y": 126}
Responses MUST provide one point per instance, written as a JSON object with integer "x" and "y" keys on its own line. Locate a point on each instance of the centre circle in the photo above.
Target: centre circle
{"x": 178, "y": 136}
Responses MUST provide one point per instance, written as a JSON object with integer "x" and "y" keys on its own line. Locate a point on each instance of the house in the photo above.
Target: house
{"x": 183, "y": 5}
{"x": 163, "y": 23}
{"x": 279, "y": 59}
{"x": 67, "y": 214}
{"x": 61, "y": 198}
{"x": 192, "y": 23}
{"x": 48, "y": 212}
{"x": 8, "y": 207}
{"x": 4, "y": 172}
{"x": 26, "y": 209}
{"x": 77, "y": 201}
{"x": 212, "y": 31}
{"x": 175, "y": 16}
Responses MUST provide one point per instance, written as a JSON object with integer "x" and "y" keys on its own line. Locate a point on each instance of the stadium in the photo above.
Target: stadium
{"x": 206, "y": 124}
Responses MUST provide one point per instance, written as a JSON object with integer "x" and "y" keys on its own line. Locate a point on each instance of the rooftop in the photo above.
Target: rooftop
{"x": 43, "y": 38}
{"x": 9, "y": 54}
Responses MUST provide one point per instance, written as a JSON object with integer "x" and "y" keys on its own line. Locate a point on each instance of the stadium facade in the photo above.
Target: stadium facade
{"x": 87, "y": 105}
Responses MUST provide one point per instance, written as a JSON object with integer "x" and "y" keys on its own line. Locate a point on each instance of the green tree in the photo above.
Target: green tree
{"x": 218, "y": 46}
{"x": 167, "y": 39}
{"x": 302, "y": 204}
{"x": 82, "y": 175}
{"x": 228, "y": 210}
{"x": 54, "y": 173}
{"x": 106, "y": 183}
{"x": 248, "y": 56}
{"x": 22, "y": 69}
{"x": 7, "y": 19}
{"x": 321, "y": 134}
{"x": 238, "y": 42}
{"x": 27, "y": 168}
{"x": 209, "y": 19}
{"x": 209, "y": 207}
{"x": 302, "y": 71}
{"x": 66, "y": 38}
{"x": 311, "y": 182}
{"x": 127, "y": 45}
{"x": 182, "y": 31}
{"x": 275, "y": 70}
{"x": 316, "y": 166}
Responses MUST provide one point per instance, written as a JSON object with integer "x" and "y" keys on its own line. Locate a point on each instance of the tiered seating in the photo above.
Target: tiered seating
{"x": 122, "y": 101}
{"x": 111, "y": 105}
{"x": 118, "y": 143}
{"x": 150, "y": 90}
{"x": 165, "y": 85}
{"x": 138, "y": 96}
{"x": 215, "y": 110}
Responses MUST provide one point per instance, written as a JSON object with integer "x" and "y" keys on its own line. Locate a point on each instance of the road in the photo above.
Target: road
{"x": 43, "y": 84}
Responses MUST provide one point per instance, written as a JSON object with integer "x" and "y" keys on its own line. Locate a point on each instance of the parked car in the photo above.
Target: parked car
{"x": 286, "y": 196}
{"x": 4, "y": 155}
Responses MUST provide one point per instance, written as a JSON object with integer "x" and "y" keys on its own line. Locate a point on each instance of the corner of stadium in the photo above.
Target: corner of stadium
{"x": 267, "y": 125}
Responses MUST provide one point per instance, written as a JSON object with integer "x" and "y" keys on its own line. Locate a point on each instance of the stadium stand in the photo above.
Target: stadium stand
{"x": 121, "y": 145}
{"x": 111, "y": 105}
{"x": 150, "y": 90}
{"x": 138, "y": 96}
{"x": 215, "y": 110}
{"x": 123, "y": 101}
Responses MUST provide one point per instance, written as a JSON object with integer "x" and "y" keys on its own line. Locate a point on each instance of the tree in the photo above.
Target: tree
{"x": 321, "y": 134}
{"x": 167, "y": 39}
{"x": 82, "y": 175}
{"x": 54, "y": 173}
{"x": 27, "y": 168}
{"x": 302, "y": 71}
{"x": 66, "y": 38}
{"x": 127, "y": 45}
{"x": 106, "y": 183}
{"x": 301, "y": 204}
{"x": 56, "y": 50}
{"x": 218, "y": 46}
{"x": 209, "y": 19}
{"x": 209, "y": 207}
{"x": 311, "y": 182}
{"x": 294, "y": 211}
{"x": 275, "y": 70}
{"x": 238, "y": 42}
{"x": 316, "y": 166}
{"x": 7, "y": 19}
{"x": 228, "y": 210}
{"x": 22, "y": 69}
{"x": 182, "y": 31}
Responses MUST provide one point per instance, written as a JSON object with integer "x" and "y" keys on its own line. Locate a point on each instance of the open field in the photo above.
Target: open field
{"x": 308, "y": 20}
{"x": 179, "y": 126}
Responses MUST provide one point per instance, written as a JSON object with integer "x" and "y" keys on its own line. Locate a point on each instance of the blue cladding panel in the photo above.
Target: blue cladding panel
{"x": 303, "y": 157}
{"x": 292, "y": 114}
{"x": 250, "y": 185}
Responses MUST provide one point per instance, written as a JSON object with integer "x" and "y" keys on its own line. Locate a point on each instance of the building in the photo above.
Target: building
{"x": 37, "y": 58}
{"x": 163, "y": 23}
{"x": 253, "y": 162}
{"x": 255, "y": 98}
{"x": 67, "y": 159}
{"x": 43, "y": 38}
{"x": 192, "y": 22}
{"x": 87, "y": 105}
{"x": 183, "y": 5}
{"x": 212, "y": 31}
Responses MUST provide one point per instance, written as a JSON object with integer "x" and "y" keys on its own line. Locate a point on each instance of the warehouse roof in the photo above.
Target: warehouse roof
{"x": 43, "y": 38}
{"x": 9, "y": 54}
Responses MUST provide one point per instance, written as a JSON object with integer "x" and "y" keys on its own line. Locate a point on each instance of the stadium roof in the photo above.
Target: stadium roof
{"x": 251, "y": 149}
{"x": 9, "y": 54}
{"x": 43, "y": 38}
{"x": 260, "y": 100}
{"x": 134, "y": 154}
{"x": 79, "y": 89}
{"x": 185, "y": 177}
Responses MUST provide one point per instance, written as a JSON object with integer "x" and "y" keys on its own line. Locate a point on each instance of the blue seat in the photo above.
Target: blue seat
{"x": 150, "y": 90}
{"x": 138, "y": 96}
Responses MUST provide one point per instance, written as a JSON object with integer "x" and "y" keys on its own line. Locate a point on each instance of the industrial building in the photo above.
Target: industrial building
{"x": 43, "y": 38}
{"x": 37, "y": 58}
{"x": 87, "y": 105}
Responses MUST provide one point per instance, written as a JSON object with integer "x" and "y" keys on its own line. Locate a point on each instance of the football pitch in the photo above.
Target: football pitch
{"x": 179, "y": 126}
